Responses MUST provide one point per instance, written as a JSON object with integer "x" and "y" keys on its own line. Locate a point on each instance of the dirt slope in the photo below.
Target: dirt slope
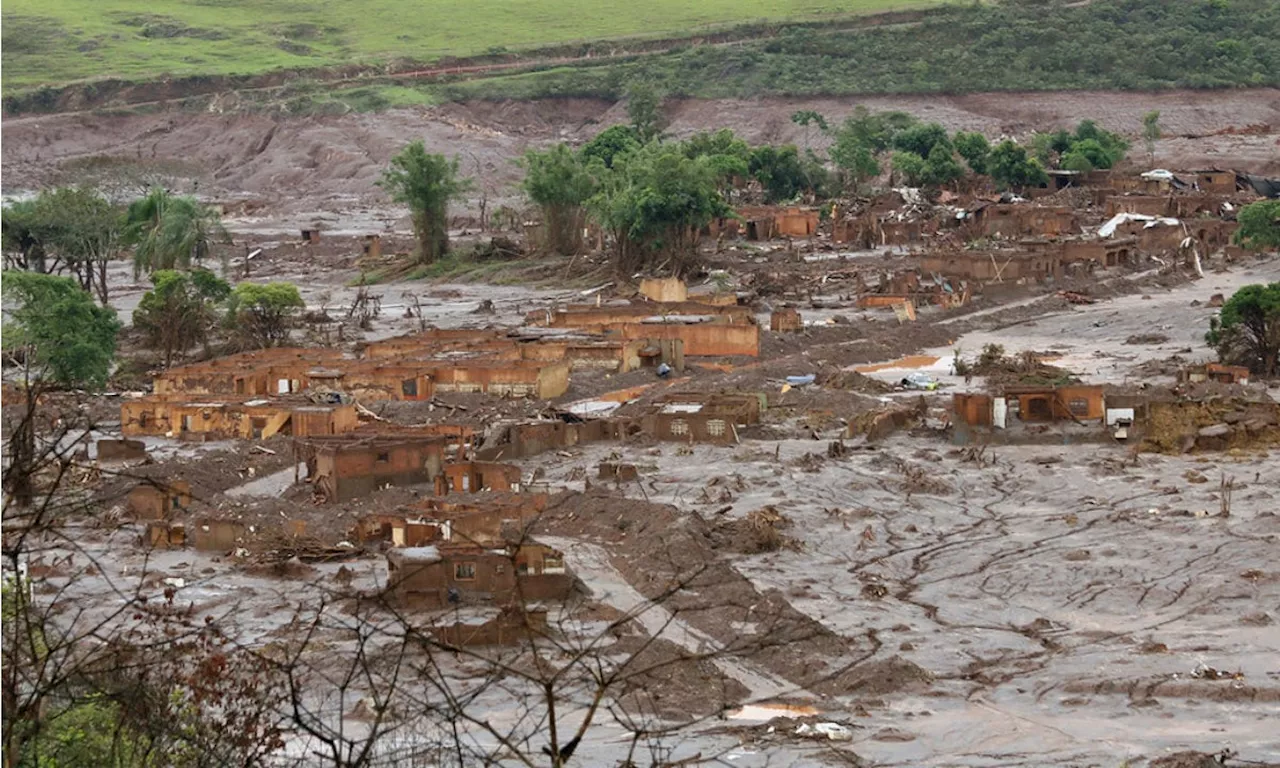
{"x": 331, "y": 163}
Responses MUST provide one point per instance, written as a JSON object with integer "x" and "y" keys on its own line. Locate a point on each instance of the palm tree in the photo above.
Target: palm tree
{"x": 170, "y": 232}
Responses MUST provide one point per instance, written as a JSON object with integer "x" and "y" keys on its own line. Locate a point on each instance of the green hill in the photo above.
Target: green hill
{"x": 53, "y": 42}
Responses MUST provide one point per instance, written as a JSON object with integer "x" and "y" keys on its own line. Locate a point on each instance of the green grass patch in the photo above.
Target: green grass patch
{"x": 61, "y": 41}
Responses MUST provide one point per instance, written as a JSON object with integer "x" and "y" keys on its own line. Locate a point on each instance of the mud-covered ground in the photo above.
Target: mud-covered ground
{"x": 1076, "y": 605}
{"x": 294, "y": 169}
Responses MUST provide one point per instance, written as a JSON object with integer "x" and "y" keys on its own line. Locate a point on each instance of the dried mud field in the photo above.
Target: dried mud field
{"x": 1073, "y": 605}
{"x": 1055, "y": 604}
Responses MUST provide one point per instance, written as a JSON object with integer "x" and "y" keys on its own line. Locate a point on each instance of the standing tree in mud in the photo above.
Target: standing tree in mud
{"x": 559, "y": 183}
{"x": 1247, "y": 331}
{"x": 72, "y": 229}
{"x": 426, "y": 184}
{"x": 171, "y": 232}
{"x": 655, "y": 202}
{"x": 1259, "y": 225}
{"x": 180, "y": 310}
{"x": 263, "y": 315}
{"x": 62, "y": 339}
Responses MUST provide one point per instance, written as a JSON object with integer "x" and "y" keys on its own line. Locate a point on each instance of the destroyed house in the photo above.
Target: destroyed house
{"x": 1182, "y": 206}
{"x": 262, "y": 372}
{"x": 702, "y": 329}
{"x": 1032, "y": 404}
{"x": 1223, "y": 374}
{"x": 579, "y": 350}
{"x": 995, "y": 266}
{"x": 1106, "y": 253}
{"x": 487, "y": 518}
{"x": 500, "y": 626}
{"x": 152, "y": 500}
{"x": 398, "y": 531}
{"x": 280, "y": 371}
{"x": 223, "y": 419}
{"x": 477, "y": 476}
{"x": 524, "y": 439}
{"x": 1014, "y": 220}
{"x": 696, "y": 417}
{"x": 344, "y": 468}
{"x": 455, "y": 574}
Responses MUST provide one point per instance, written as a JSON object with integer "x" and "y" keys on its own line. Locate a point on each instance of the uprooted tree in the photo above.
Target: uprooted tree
{"x": 1247, "y": 330}
{"x": 426, "y": 183}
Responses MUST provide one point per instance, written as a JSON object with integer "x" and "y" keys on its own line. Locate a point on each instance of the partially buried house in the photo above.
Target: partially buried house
{"x": 456, "y": 574}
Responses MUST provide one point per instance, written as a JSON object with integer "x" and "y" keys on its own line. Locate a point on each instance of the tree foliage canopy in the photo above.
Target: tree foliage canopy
{"x": 1259, "y": 225}
{"x": 974, "y": 148}
{"x": 610, "y": 143}
{"x": 171, "y": 232}
{"x": 921, "y": 138}
{"x": 560, "y": 183}
{"x": 780, "y": 171}
{"x": 426, "y": 183}
{"x": 70, "y": 339}
{"x": 263, "y": 314}
{"x": 71, "y": 228}
{"x": 1010, "y": 166}
{"x": 1247, "y": 330}
{"x": 655, "y": 203}
{"x": 178, "y": 312}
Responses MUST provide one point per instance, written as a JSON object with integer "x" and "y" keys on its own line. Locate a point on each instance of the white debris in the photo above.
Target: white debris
{"x": 829, "y": 731}
{"x": 1109, "y": 229}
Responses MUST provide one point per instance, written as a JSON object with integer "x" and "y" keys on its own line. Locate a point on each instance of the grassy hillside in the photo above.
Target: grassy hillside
{"x": 60, "y": 41}
{"x": 1013, "y": 45}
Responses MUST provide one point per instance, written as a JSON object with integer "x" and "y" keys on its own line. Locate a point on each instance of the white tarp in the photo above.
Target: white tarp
{"x": 1109, "y": 229}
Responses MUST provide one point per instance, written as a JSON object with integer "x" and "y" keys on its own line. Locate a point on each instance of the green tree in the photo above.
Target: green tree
{"x": 644, "y": 109}
{"x": 170, "y": 232}
{"x": 909, "y": 168}
{"x": 655, "y": 204}
{"x": 559, "y": 183}
{"x": 873, "y": 130}
{"x": 1011, "y": 167}
{"x": 941, "y": 168}
{"x": 780, "y": 171}
{"x": 807, "y": 119}
{"x": 856, "y": 161}
{"x": 1151, "y": 133}
{"x": 611, "y": 143}
{"x": 426, "y": 184}
{"x": 67, "y": 339}
{"x": 921, "y": 138}
{"x": 1259, "y": 225}
{"x": 263, "y": 315}
{"x": 1103, "y": 148}
{"x": 1076, "y": 161}
{"x": 180, "y": 310}
{"x": 726, "y": 153}
{"x": 1247, "y": 330}
{"x": 974, "y": 148}
{"x": 25, "y": 234}
{"x": 88, "y": 233}
{"x": 1091, "y": 150}
{"x": 66, "y": 229}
